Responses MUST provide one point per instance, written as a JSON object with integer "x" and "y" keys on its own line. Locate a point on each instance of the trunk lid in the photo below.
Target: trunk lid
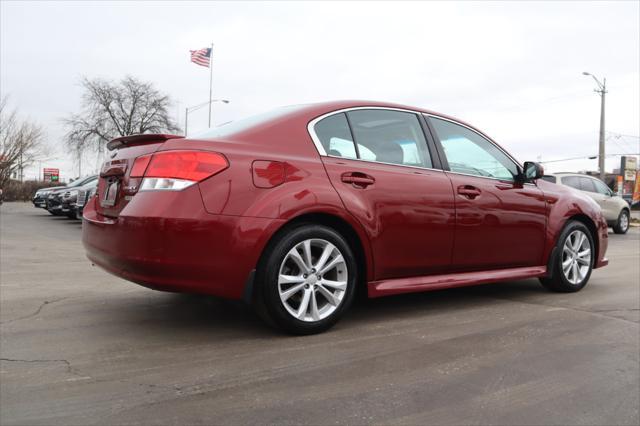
{"x": 116, "y": 187}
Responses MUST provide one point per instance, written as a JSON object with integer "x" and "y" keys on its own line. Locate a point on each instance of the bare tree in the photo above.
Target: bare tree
{"x": 21, "y": 142}
{"x": 113, "y": 109}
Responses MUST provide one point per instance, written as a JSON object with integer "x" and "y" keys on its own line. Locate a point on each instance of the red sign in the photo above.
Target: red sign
{"x": 51, "y": 175}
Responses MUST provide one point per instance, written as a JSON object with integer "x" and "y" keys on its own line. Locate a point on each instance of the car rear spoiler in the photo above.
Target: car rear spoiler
{"x": 140, "y": 140}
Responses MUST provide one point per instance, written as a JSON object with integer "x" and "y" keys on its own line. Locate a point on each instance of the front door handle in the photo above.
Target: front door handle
{"x": 357, "y": 179}
{"x": 468, "y": 191}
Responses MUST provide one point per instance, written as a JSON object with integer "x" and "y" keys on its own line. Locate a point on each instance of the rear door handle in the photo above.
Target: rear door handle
{"x": 468, "y": 191}
{"x": 357, "y": 179}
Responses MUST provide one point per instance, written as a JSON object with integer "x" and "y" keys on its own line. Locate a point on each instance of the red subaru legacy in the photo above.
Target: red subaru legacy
{"x": 296, "y": 209}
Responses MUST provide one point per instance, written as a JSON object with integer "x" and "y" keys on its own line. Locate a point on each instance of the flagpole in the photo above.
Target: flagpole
{"x": 210, "y": 82}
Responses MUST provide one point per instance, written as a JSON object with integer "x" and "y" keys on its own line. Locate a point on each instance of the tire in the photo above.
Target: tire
{"x": 622, "y": 225}
{"x": 576, "y": 276}
{"x": 289, "y": 288}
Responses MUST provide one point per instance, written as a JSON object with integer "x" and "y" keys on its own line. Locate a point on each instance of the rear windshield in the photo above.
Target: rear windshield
{"x": 548, "y": 178}
{"x": 238, "y": 126}
{"x": 81, "y": 182}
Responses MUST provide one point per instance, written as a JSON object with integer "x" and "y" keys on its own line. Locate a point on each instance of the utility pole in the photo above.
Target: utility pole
{"x": 210, "y": 82}
{"x": 601, "y": 90}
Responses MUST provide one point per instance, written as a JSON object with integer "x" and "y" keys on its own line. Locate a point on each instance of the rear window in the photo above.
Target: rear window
{"x": 548, "y": 178}
{"x": 238, "y": 126}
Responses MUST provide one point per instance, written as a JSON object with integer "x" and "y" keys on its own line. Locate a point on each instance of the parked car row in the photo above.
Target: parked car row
{"x": 67, "y": 200}
{"x": 615, "y": 209}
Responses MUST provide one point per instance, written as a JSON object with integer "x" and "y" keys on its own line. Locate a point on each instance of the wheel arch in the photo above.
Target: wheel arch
{"x": 591, "y": 226}
{"x": 355, "y": 237}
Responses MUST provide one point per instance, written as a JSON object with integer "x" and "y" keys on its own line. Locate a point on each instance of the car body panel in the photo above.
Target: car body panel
{"x": 408, "y": 214}
{"x": 564, "y": 203}
{"x": 511, "y": 216}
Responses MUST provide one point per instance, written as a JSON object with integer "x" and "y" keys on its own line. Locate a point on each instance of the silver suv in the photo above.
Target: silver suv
{"x": 614, "y": 208}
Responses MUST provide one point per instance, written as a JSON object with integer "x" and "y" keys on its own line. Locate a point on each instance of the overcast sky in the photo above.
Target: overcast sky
{"x": 513, "y": 69}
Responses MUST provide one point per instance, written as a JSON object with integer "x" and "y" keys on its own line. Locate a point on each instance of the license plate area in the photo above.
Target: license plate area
{"x": 110, "y": 193}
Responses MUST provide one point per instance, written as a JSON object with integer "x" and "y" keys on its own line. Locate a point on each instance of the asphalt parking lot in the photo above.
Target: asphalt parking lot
{"x": 79, "y": 346}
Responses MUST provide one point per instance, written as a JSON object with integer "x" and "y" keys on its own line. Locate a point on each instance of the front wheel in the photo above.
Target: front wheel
{"x": 307, "y": 280}
{"x": 622, "y": 225}
{"x": 574, "y": 260}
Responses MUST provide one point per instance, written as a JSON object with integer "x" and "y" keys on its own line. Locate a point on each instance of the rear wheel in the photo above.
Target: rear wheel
{"x": 574, "y": 253}
{"x": 308, "y": 280}
{"x": 622, "y": 225}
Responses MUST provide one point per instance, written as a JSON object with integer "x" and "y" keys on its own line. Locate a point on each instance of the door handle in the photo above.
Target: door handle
{"x": 468, "y": 191}
{"x": 357, "y": 179}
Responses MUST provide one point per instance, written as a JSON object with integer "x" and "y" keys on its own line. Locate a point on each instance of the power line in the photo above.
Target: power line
{"x": 623, "y": 135}
{"x": 590, "y": 157}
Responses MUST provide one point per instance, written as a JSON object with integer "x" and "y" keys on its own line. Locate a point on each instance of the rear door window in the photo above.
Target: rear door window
{"x": 572, "y": 181}
{"x": 390, "y": 136}
{"x": 586, "y": 184}
{"x": 335, "y": 136}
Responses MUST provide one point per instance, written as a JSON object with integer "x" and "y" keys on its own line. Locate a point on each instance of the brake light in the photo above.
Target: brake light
{"x": 187, "y": 165}
{"x": 140, "y": 165}
{"x": 176, "y": 170}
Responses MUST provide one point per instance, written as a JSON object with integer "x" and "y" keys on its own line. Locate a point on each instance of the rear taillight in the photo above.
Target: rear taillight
{"x": 140, "y": 165}
{"x": 176, "y": 170}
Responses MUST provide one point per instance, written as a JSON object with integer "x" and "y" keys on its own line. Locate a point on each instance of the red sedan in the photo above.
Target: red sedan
{"x": 296, "y": 209}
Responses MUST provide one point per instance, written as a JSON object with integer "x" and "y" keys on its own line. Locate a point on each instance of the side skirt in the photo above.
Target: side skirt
{"x": 438, "y": 282}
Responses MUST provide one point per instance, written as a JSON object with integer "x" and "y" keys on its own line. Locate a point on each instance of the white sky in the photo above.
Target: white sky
{"x": 513, "y": 69}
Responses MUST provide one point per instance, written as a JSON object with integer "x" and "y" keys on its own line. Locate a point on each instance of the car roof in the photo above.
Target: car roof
{"x": 570, "y": 174}
{"x": 305, "y": 113}
{"x": 321, "y": 108}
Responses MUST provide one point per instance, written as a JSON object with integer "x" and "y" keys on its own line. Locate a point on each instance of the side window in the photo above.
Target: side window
{"x": 586, "y": 184}
{"x": 469, "y": 153}
{"x": 601, "y": 187}
{"x": 572, "y": 181}
{"x": 549, "y": 178}
{"x": 335, "y": 136}
{"x": 388, "y": 136}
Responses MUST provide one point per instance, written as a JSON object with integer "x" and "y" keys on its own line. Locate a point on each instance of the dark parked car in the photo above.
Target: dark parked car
{"x": 71, "y": 197}
{"x": 294, "y": 209}
{"x": 54, "y": 198}
{"x": 40, "y": 197}
{"x": 84, "y": 195}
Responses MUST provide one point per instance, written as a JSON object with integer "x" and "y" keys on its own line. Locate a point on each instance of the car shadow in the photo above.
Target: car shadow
{"x": 197, "y": 314}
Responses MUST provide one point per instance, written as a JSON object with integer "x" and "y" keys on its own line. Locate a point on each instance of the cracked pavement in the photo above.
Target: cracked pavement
{"x": 79, "y": 346}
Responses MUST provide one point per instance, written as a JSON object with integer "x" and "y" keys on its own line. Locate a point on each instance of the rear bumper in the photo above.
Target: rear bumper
{"x": 156, "y": 243}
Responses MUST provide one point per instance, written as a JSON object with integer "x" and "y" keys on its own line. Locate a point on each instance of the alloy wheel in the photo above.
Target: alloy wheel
{"x": 576, "y": 257}
{"x": 312, "y": 280}
{"x": 624, "y": 221}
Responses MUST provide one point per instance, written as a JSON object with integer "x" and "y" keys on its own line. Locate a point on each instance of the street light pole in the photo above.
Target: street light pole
{"x": 187, "y": 110}
{"x": 601, "y": 90}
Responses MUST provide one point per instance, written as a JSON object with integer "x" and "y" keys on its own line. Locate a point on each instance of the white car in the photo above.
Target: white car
{"x": 615, "y": 208}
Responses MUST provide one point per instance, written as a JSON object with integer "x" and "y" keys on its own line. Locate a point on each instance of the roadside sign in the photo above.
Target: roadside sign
{"x": 635, "y": 198}
{"x": 628, "y": 162}
{"x": 51, "y": 175}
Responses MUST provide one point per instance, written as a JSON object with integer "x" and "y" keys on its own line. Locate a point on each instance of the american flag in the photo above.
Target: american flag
{"x": 201, "y": 57}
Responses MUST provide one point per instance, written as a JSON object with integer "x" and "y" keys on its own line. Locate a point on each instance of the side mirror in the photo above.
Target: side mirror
{"x": 532, "y": 171}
